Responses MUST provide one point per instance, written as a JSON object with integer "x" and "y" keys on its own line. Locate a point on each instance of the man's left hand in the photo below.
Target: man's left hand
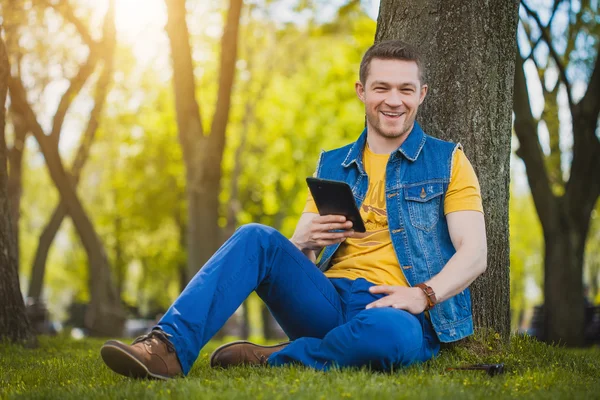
{"x": 411, "y": 299}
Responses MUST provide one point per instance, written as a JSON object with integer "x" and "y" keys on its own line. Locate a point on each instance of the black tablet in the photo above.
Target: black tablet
{"x": 335, "y": 198}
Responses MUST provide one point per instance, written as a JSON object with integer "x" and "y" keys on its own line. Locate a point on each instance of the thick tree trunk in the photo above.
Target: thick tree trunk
{"x": 202, "y": 155}
{"x": 14, "y": 324}
{"x": 564, "y": 311}
{"x": 468, "y": 49}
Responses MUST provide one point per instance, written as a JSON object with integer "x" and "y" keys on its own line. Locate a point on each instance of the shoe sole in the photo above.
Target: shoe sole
{"x": 226, "y": 345}
{"x": 126, "y": 364}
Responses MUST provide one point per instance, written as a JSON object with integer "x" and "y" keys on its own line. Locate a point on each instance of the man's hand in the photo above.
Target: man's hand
{"x": 314, "y": 231}
{"x": 411, "y": 299}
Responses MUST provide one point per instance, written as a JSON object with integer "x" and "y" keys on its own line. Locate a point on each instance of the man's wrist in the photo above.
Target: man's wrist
{"x": 429, "y": 295}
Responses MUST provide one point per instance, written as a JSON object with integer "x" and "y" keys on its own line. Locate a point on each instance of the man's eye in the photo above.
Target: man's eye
{"x": 408, "y": 90}
{"x": 379, "y": 89}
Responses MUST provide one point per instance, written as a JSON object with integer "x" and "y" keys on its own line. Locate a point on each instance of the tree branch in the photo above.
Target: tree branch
{"x": 530, "y": 150}
{"x": 65, "y": 9}
{"x": 189, "y": 116}
{"x": 539, "y": 39}
{"x": 85, "y": 71}
{"x": 102, "y": 89}
{"x": 590, "y": 103}
{"x": 229, "y": 43}
{"x": 75, "y": 85}
{"x": 559, "y": 64}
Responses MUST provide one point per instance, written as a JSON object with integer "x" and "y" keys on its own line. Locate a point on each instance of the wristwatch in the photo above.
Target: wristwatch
{"x": 429, "y": 293}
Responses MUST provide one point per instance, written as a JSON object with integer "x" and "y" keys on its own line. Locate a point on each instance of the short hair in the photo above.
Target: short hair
{"x": 391, "y": 50}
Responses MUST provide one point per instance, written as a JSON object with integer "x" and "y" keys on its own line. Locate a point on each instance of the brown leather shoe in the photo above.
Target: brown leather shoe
{"x": 149, "y": 356}
{"x": 243, "y": 353}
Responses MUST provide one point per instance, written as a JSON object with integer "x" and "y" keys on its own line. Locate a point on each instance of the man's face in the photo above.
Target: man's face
{"x": 392, "y": 94}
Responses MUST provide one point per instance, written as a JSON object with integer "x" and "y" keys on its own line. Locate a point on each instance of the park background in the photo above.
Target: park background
{"x": 98, "y": 80}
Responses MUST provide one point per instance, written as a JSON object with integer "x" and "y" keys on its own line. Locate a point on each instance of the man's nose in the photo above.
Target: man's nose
{"x": 394, "y": 99}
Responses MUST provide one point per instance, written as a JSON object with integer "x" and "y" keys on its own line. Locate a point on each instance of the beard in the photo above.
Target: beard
{"x": 377, "y": 125}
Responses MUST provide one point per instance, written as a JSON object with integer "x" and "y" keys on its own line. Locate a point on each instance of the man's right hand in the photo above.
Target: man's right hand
{"x": 314, "y": 232}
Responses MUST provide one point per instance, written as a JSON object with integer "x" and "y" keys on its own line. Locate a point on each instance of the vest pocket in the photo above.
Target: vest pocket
{"x": 424, "y": 204}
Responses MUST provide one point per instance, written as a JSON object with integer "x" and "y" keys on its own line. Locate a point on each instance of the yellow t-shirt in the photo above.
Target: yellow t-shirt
{"x": 371, "y": 255}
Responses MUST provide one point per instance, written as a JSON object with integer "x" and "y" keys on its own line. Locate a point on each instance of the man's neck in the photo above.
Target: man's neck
{"x": 381, "y": 145}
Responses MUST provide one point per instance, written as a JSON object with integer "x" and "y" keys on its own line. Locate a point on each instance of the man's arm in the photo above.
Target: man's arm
{"x": 313, "y": 232}
{"x": 467, "y": 232}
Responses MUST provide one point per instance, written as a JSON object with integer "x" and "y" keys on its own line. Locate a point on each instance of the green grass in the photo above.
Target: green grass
{"x": 62, "y": 368}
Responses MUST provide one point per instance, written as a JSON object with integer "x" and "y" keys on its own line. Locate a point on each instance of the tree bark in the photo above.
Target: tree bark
{"x": 14, "y": 324}
{"x": 468, "y": 49}
{"x": 202, "y": 154}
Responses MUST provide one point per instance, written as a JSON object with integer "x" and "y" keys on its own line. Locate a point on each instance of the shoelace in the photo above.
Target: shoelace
{"x": 162, "y": 336}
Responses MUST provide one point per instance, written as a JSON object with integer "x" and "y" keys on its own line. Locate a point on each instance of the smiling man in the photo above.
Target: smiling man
{"x": 385, "y": 298}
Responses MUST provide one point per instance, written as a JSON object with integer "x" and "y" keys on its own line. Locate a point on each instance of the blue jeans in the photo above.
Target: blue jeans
{"x": 325, "y": 318}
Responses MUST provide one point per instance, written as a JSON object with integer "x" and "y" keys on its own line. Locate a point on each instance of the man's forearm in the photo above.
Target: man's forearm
{"x": 460, "y": 271}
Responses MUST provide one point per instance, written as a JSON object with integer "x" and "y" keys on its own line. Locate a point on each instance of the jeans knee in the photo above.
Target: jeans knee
{"x": 255, "y": 230}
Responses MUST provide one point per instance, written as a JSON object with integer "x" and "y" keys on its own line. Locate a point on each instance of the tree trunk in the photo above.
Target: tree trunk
{"x": 202, "y": 155}
{"x": 60, "y": 212}
{"x": 564, "y": 314}
{"x": 468, "y": 49}
{"x": 14, "y": 324}
{"x": 15, "y": 178}
{"x": 105, "y": 316}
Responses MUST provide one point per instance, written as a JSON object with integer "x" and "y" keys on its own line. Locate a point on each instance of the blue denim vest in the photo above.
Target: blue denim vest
{"x": 417, "y": 177}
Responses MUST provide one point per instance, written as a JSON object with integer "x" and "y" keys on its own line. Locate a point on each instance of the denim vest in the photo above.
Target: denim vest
{"x": 417, "y": 177}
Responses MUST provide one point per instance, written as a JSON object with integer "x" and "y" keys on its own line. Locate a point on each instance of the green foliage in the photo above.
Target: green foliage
{"x": 65, "y": 369}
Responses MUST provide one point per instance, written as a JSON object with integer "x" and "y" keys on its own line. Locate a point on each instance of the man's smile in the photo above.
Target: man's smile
{"x": 391, "y": 114}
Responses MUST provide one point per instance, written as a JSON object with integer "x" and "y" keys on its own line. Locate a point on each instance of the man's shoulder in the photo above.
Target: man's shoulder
{"x": 437, "y": 142}
{"x": 440, "y": 148}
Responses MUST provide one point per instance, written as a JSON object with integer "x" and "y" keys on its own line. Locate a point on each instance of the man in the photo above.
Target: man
{"x": 385, "y": 298}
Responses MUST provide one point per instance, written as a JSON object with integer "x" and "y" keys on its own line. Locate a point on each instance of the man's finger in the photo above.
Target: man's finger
{"x": 381, "y": 289}
{"x": 379, "y": 304}
{"x": 332, "y": 235}
{"x": 324, "y": 219}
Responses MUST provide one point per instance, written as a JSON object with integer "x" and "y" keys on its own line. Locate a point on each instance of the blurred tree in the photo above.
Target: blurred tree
{"x": 564, "y": 206}
{"x": 467, "y": 48}
{"x": 14, "y": 324}
{"x": 60, "y": 212}
{"x": 12, "y": 13}
{"x": 202, "y": 153}
{"x": 104, "y": 315}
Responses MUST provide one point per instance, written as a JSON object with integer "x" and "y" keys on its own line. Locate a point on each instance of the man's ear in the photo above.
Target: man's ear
{"x": 423, "y": 93}
{"x": 360, "y": 90}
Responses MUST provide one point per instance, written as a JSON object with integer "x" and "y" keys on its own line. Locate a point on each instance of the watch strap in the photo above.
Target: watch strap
{"x": 429, "y": 293}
